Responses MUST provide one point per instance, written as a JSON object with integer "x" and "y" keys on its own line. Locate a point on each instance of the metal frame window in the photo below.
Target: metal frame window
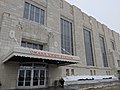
{"x": 31, "y": 45}
{"x": 34, "y": 13}
{"x": 103, "y": 51}
{"x": 88, "y": 48}
{"x": 66, "y": 37}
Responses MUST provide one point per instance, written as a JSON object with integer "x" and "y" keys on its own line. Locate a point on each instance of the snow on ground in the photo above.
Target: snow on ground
{"x": 88, "y": 79}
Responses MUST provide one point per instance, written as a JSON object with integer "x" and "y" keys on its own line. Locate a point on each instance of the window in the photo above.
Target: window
{"x": 26, "y": 12}
{"x": 31, "y": 45}
{"x": 94, "y": 72}
{"x": 34, "y": 13}
{"x": 91, "y": 73}
{"x": 72, "y": 71}
{"x": 67, "y": 72}
{"x": 112, "y": 45}
{"x": 107, "y": 72}
{"x": 103, "y": 51}
{"x": 88, "y": 48}
{"x": 66, "y": 37}
{"x": 32, "y": 10}
{"x": 118, "y": 63}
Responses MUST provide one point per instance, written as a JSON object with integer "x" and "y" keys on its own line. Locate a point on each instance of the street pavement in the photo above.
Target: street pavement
{"x": 97, "y": 86}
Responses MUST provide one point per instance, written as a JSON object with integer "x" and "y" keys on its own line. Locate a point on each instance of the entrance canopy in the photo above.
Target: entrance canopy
{"x": 20, "y": 54}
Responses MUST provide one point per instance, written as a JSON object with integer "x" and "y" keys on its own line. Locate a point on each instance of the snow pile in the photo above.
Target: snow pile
{"x": 88, "y": 77}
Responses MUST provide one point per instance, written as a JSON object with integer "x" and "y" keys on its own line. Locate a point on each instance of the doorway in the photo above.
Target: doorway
{"x": 31, "y": 77}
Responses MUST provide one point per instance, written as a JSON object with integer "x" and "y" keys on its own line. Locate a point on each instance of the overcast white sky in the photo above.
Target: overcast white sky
{"x": 105, "y": 11}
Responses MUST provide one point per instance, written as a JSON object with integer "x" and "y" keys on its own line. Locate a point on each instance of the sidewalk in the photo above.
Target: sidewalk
{"x": 92, "y": 86}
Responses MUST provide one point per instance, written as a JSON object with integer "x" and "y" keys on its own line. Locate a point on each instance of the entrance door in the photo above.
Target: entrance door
{"x": 39, "y": 78}
{"x": 24, "y": 78}
{"x": 31, "y": 78}
{"x": 28, "y": 75}
{"x": 35, "y": 77}
{"x": 42, "y": 78}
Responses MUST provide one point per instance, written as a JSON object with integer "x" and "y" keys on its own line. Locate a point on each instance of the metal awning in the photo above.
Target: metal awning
{"x": 21, "y": 54}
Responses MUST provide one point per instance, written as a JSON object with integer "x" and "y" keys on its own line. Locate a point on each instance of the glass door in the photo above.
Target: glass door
{"x": 28, "y": 77}
{"x": 34, "y": 78}
{"x": 24, "y": 78}
{"x": 21, "y": 78}
{"x": 42, "y": 78}
{"x": 39, "y": 78}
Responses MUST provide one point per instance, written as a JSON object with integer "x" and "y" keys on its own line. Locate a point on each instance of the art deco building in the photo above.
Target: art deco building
{"x": 44, "y": 40}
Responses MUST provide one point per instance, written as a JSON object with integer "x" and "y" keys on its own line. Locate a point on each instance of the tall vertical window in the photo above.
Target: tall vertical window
{"x": 103, "y": 51}
{"x": 26, "y": 10}
{"x": 112, "y": 45}
{"x": 66, "y": 37}
{"x": 32, "y": 10}
{"x": 88, "y": 48}
{"x": 34, "y": 13}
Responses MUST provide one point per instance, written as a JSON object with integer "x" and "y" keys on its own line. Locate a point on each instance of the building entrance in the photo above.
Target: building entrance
{"x": 32, "y": 76}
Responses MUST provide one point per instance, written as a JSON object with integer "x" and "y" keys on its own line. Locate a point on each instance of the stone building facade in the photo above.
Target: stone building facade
{"x": 44, "y": 40}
